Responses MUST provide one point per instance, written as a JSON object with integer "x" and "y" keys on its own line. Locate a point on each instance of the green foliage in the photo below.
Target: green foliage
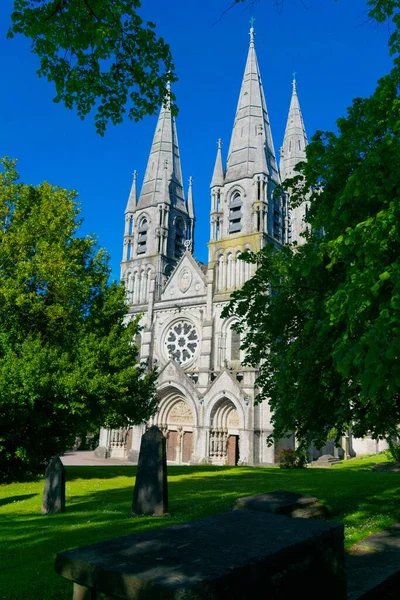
{"x": 288, "y": 458}
{"x": 99, "y": 54}
{"x": 67, "y": 362}
{"x": 394, "y": 448}
{"x": 328, "y": 336}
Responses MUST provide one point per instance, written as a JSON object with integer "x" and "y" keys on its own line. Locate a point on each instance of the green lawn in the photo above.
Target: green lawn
{"x": 99, "y": 500}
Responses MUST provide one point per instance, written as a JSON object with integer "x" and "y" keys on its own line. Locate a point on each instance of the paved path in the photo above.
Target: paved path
{"x": 86, "y": 458}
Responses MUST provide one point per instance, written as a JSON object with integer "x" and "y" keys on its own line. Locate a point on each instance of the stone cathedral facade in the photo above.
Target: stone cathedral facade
{"x": 206, "y": 396}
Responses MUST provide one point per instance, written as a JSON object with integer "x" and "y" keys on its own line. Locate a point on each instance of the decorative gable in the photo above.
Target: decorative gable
{"x": 173, "y": 373}
{"x": 187, "y": 280}
{"x": 224, "y": 383}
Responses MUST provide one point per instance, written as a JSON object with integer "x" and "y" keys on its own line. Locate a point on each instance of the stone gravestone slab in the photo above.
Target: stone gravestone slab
{"x": 326, "y": 460}
{"x": 54, "y": 488}
{"x": 150, "y": 495}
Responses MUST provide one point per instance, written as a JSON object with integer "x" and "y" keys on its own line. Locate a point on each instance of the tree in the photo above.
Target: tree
{"x": 67, "y": 361}
{"x": 323, "y": 319}
{"x": 99, "y": 54}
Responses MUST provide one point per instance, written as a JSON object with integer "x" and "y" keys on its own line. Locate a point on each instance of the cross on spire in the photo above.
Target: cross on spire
{"x": 252, "y": 19}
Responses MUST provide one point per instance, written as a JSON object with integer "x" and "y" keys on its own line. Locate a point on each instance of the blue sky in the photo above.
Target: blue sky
{"x": 337, "y": 52}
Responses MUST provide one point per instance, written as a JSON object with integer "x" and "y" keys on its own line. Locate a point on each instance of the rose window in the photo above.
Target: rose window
{"x": 181, "y": 342}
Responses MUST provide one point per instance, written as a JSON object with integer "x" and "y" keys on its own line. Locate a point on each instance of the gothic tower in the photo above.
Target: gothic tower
{"x": 293, "y": 151}
{"x": 244, "y": 211}
{"x": 158, "y": 223}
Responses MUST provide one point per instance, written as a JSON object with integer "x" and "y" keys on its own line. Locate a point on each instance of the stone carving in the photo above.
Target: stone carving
{"x": 180, "y": 413}
{"x": 150, "y": 495}
{"x": 54, "y": 488}
{"x": 185, "y": 279}
{"x": 233, "y": 418}
{"x": 170, "y": 370}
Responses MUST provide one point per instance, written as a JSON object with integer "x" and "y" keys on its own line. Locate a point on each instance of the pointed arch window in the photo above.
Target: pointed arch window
{"x": 130, "y": 226}
{"x": 235, "y": 214}
{"x": 235, "y": 345}
{"x": 180, "y": 236}
{"x": 142, "y": 236}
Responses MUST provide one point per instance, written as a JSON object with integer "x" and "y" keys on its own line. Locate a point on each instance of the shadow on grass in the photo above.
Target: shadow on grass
{"x": 362, "y": 500}
{"x": 12, "y": 499}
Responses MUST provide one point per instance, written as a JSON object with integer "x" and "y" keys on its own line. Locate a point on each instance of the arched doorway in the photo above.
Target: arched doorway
{"x": 223, "y": 445}
{"x": 175, "y": 419}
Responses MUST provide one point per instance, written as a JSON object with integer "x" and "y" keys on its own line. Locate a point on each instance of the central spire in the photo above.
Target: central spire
{"x": 251, "y": 112}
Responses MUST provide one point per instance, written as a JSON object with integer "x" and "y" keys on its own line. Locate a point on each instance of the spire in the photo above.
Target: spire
{"x": 218, "y": 175}
{"x": 260, "y": 163}
{"x": 251, "y": 111}
{"x": 164, "y": 191}
{"x": 190, "y": 199}
{"x": 165, "y": 147}
{"x": 295, "y": 140}
{"x": 131, "y": 204}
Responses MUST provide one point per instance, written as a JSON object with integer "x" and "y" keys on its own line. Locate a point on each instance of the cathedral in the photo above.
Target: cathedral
{"x": 206, "y": 396}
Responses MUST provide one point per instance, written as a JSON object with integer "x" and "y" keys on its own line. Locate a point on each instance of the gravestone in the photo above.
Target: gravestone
{"x": 54, "y": 488}
{"x": 326, "y": 460}
{"x": 150, "y": 495}
{"x": 282, "y": 502}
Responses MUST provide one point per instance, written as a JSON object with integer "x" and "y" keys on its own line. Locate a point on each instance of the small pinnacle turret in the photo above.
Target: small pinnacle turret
{"x": 132, "y": 200}
{"x": 190, "y": 199}
{"x": 218, "y": 174}
{"x": 294, "y": 144}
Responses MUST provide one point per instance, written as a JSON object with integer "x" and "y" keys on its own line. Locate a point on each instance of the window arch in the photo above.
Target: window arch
{"x": 142, "y": 235}
{"x": 180, "y": 236}
{"x": 235, "y": 345}
{"x": 235, "y": 213}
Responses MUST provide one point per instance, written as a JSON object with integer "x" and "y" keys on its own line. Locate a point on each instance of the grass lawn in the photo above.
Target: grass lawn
{"x": 99, "y": 500}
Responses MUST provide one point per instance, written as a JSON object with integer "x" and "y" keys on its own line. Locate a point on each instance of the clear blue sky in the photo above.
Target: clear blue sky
{"x": 337, "y": 52}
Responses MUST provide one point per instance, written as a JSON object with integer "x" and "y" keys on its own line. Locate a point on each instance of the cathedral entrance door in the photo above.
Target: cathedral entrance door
{"x": 187, "y": 448}
{"x": 172, "y": 442}
{"x": 233, "y": 450}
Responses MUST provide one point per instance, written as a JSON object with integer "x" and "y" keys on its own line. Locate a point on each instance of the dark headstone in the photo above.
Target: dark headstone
{"x": 281, "y": 502}
{"x": 150, "y": 495}
{"x": 239, "y": 555}
{"x": 54, "y": 488}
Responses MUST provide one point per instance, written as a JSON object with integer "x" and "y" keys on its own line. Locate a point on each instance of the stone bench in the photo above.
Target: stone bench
{"x": 237, "y": 555}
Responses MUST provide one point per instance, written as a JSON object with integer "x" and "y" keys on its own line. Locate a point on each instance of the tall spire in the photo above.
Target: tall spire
{"x": 218, "y": 175}
{"x": 294, "y": 145}
{"x": 131, "y": 204}
{"x": 165, "y": 147}
{"x": 260, "y": 163}
{"x": 250, "y": 113}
